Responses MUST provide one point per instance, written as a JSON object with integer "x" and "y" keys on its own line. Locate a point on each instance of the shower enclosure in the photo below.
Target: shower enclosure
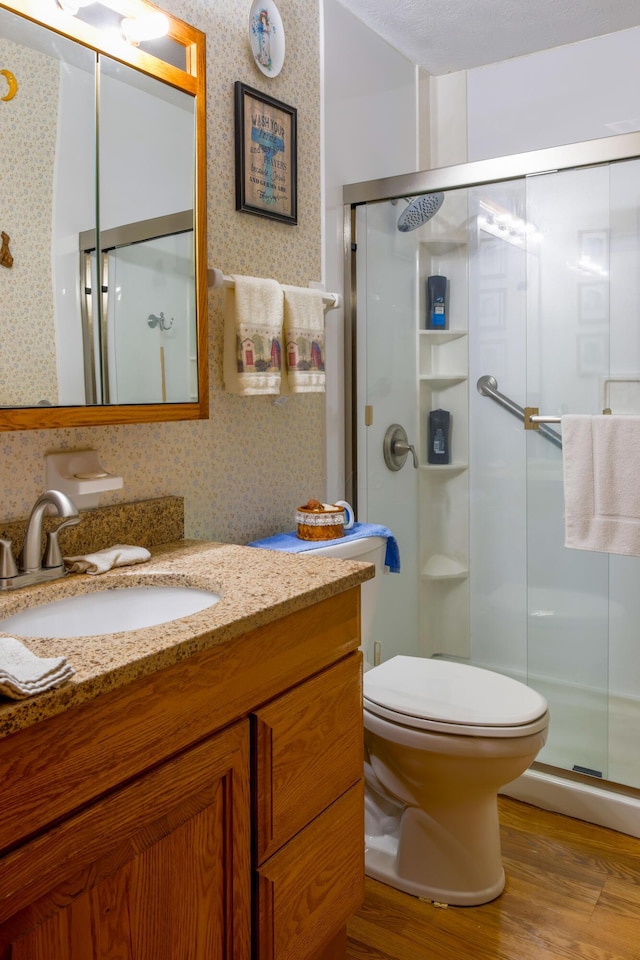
{"x": 542, "y": 258}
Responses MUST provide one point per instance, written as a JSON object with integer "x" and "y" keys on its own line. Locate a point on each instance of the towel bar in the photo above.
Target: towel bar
{"x": 218, "y": 279}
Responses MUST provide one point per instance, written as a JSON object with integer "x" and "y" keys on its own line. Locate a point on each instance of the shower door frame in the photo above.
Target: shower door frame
{"x": 606, "y": 150}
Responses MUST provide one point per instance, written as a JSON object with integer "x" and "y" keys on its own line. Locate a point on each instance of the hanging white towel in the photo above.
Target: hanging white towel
{"x": 23, "y": 674}
{"x": 253, "y": 336}
{"x": 304, "y": 340}
{"x": 601, "y": 465}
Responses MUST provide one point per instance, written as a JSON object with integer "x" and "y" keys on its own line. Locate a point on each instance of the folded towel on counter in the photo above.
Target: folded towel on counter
{"x": 120, "y": 555}
{"x": 253, "y": 336}
{"x": 291, "y": 543}
{"x": 304, "y": 340}
{"x": 23, "y": 674}
{"x": 601, "y": 466}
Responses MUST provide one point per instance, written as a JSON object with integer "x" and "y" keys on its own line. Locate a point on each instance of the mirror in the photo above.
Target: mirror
{"x": 103, "y": 281}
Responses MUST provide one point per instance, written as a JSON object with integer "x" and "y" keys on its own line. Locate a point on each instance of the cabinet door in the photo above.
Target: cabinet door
{"x": 158, "y": 870}
{"x": 309, "y": 889}
{"x": 309, "y": 750}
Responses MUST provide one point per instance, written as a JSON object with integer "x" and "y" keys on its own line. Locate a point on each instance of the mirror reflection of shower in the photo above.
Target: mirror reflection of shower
{"x": 419, "y": 211}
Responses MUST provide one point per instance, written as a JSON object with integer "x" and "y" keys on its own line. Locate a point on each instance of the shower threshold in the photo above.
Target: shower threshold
{"x": 560, "y": 791}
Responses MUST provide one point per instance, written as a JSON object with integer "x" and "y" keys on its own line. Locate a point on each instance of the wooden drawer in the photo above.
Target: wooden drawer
{"x": 309, "y": 750}
{"x": 309, "y": 889}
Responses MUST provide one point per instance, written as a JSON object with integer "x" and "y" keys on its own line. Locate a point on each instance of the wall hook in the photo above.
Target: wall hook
{"x": 5, "y": 254}
{"x": 154, "y": 321}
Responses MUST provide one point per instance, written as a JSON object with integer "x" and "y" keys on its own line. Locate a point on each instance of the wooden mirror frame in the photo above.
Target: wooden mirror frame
{"x": 192, "y": 81}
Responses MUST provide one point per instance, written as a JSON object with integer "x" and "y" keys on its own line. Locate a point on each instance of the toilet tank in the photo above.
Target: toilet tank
{"x": 365, "y": 550}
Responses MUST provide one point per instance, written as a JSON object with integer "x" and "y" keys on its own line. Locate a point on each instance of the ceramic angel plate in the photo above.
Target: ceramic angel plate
{"x": 266, "y": 36}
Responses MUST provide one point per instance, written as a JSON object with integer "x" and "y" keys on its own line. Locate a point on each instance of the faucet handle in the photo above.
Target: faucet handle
{"x": 8, "y": 566}
{"x": 52, "y": 553}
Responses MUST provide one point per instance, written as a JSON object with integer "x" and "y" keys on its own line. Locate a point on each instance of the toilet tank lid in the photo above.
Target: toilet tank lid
{"x": 452, "y": 692}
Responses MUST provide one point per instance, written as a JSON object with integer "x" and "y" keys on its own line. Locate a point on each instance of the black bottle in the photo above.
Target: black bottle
{"x": 439, "y": 437}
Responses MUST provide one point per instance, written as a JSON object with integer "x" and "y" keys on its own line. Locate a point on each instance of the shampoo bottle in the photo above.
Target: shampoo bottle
{"x": 437, "y": 318}
{"x": 439, "y": 437}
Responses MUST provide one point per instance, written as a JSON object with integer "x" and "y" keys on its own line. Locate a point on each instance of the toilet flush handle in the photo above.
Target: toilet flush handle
{"x": 396, "y": 448}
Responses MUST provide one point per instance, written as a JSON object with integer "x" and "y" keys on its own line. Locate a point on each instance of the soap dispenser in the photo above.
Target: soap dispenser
{"x": 439, "y": 437}
{"x": 437, "y": 314}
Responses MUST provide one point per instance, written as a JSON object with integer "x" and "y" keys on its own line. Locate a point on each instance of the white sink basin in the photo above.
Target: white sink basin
{"x": 108, "y": 611}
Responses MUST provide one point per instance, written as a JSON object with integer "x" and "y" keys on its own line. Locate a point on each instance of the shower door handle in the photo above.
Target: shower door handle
{"x": 396, "y": 448}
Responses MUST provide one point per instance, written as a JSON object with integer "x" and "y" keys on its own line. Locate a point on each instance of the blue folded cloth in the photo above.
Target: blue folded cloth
{"x": 291, "y": 543}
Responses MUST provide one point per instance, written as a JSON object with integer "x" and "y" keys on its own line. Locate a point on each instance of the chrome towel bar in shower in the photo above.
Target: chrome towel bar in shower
{"x": 488, "y": 387}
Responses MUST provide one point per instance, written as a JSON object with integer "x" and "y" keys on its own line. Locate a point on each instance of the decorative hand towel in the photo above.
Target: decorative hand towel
{"x": 120, "y": 555}
{"x": 253, "y": 336}
{"x": 304, "y": 340}
{"x": 23, "y": 674}
{"x": 601, "y": 464}
{"x": 290, "y": 542}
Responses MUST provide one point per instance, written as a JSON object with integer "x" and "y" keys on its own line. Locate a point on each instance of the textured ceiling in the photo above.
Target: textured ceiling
{"x": 447, "y": 35}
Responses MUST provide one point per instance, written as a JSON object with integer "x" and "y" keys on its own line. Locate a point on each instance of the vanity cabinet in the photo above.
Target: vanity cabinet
{"x": 128, "y": 820}
{"x": 309, "y": 820}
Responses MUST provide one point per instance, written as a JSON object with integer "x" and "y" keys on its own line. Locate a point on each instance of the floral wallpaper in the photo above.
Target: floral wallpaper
{"x": 25, "y": 215}
{"x": 242, "y": 472}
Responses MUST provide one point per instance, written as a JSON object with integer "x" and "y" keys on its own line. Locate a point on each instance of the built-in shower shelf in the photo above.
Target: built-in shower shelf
{"x": 456, "y": 467}
{"x": 443, "y": 380}
{"x": 438, "y": 337}
{"x": 441, "y": 567}
{"x": 439, "y": 243}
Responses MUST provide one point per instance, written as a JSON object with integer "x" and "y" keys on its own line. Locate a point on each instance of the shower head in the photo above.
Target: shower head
{"x": 420, "y": 210}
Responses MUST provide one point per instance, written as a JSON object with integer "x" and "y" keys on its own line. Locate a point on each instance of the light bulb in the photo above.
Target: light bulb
{"x": 148, "y": 26}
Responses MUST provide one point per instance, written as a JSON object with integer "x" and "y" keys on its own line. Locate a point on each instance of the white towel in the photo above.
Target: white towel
{"x": 601, "y": 464}
{"x": 253, "y": 336}
{"x": 23, "y": 674}
{"x": 304, "y": 340}
{"x": 120, "y": 555}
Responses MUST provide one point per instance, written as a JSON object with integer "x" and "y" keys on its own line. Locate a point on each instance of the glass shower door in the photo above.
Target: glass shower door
{"x": 568, "y": 278}
{"x": 545, "y": 275}
{"x": 387, "y": 394}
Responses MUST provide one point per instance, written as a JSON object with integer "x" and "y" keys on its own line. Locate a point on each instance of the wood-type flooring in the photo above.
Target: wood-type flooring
{"x": 572, "y": 893}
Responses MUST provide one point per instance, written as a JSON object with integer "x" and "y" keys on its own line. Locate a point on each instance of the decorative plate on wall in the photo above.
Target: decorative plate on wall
{"x": 266, "y": 36}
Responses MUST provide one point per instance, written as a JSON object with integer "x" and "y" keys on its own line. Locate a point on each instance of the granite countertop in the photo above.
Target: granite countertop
{"x": 256, "y": 588}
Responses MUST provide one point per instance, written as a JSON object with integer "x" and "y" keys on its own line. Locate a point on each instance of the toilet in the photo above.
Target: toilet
{"x": 441, "y": 738}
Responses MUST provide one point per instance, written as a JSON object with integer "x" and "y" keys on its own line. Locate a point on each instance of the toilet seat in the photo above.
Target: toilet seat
{"x": 455, "y": 698}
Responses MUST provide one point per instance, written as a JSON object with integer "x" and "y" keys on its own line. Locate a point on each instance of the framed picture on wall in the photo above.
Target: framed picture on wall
{"x": 593, "y": 302}
{"x": 593, "y": 251}
{"x": 492, "y": 308}
{"x": 266, "y": 155}
{"x": 593, "y": 354}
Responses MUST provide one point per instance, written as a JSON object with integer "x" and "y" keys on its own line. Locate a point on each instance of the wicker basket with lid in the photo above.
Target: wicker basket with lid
{"x": 320, "y": 521}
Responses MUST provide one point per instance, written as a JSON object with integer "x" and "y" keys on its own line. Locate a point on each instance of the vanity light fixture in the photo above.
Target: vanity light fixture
{"x": 148, "y": 26}
{"x": 135, "y": 30}
{"x": 72, "y": 6}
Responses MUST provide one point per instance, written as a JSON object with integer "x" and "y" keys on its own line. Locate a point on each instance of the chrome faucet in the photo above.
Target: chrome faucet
{"x": 32, "y": 566}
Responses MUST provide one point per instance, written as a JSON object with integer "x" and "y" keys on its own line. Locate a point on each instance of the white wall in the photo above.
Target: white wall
{"x": 565, "y": 95}
{"x": 370, "y": 130}
{"x": 577, "y": 92}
